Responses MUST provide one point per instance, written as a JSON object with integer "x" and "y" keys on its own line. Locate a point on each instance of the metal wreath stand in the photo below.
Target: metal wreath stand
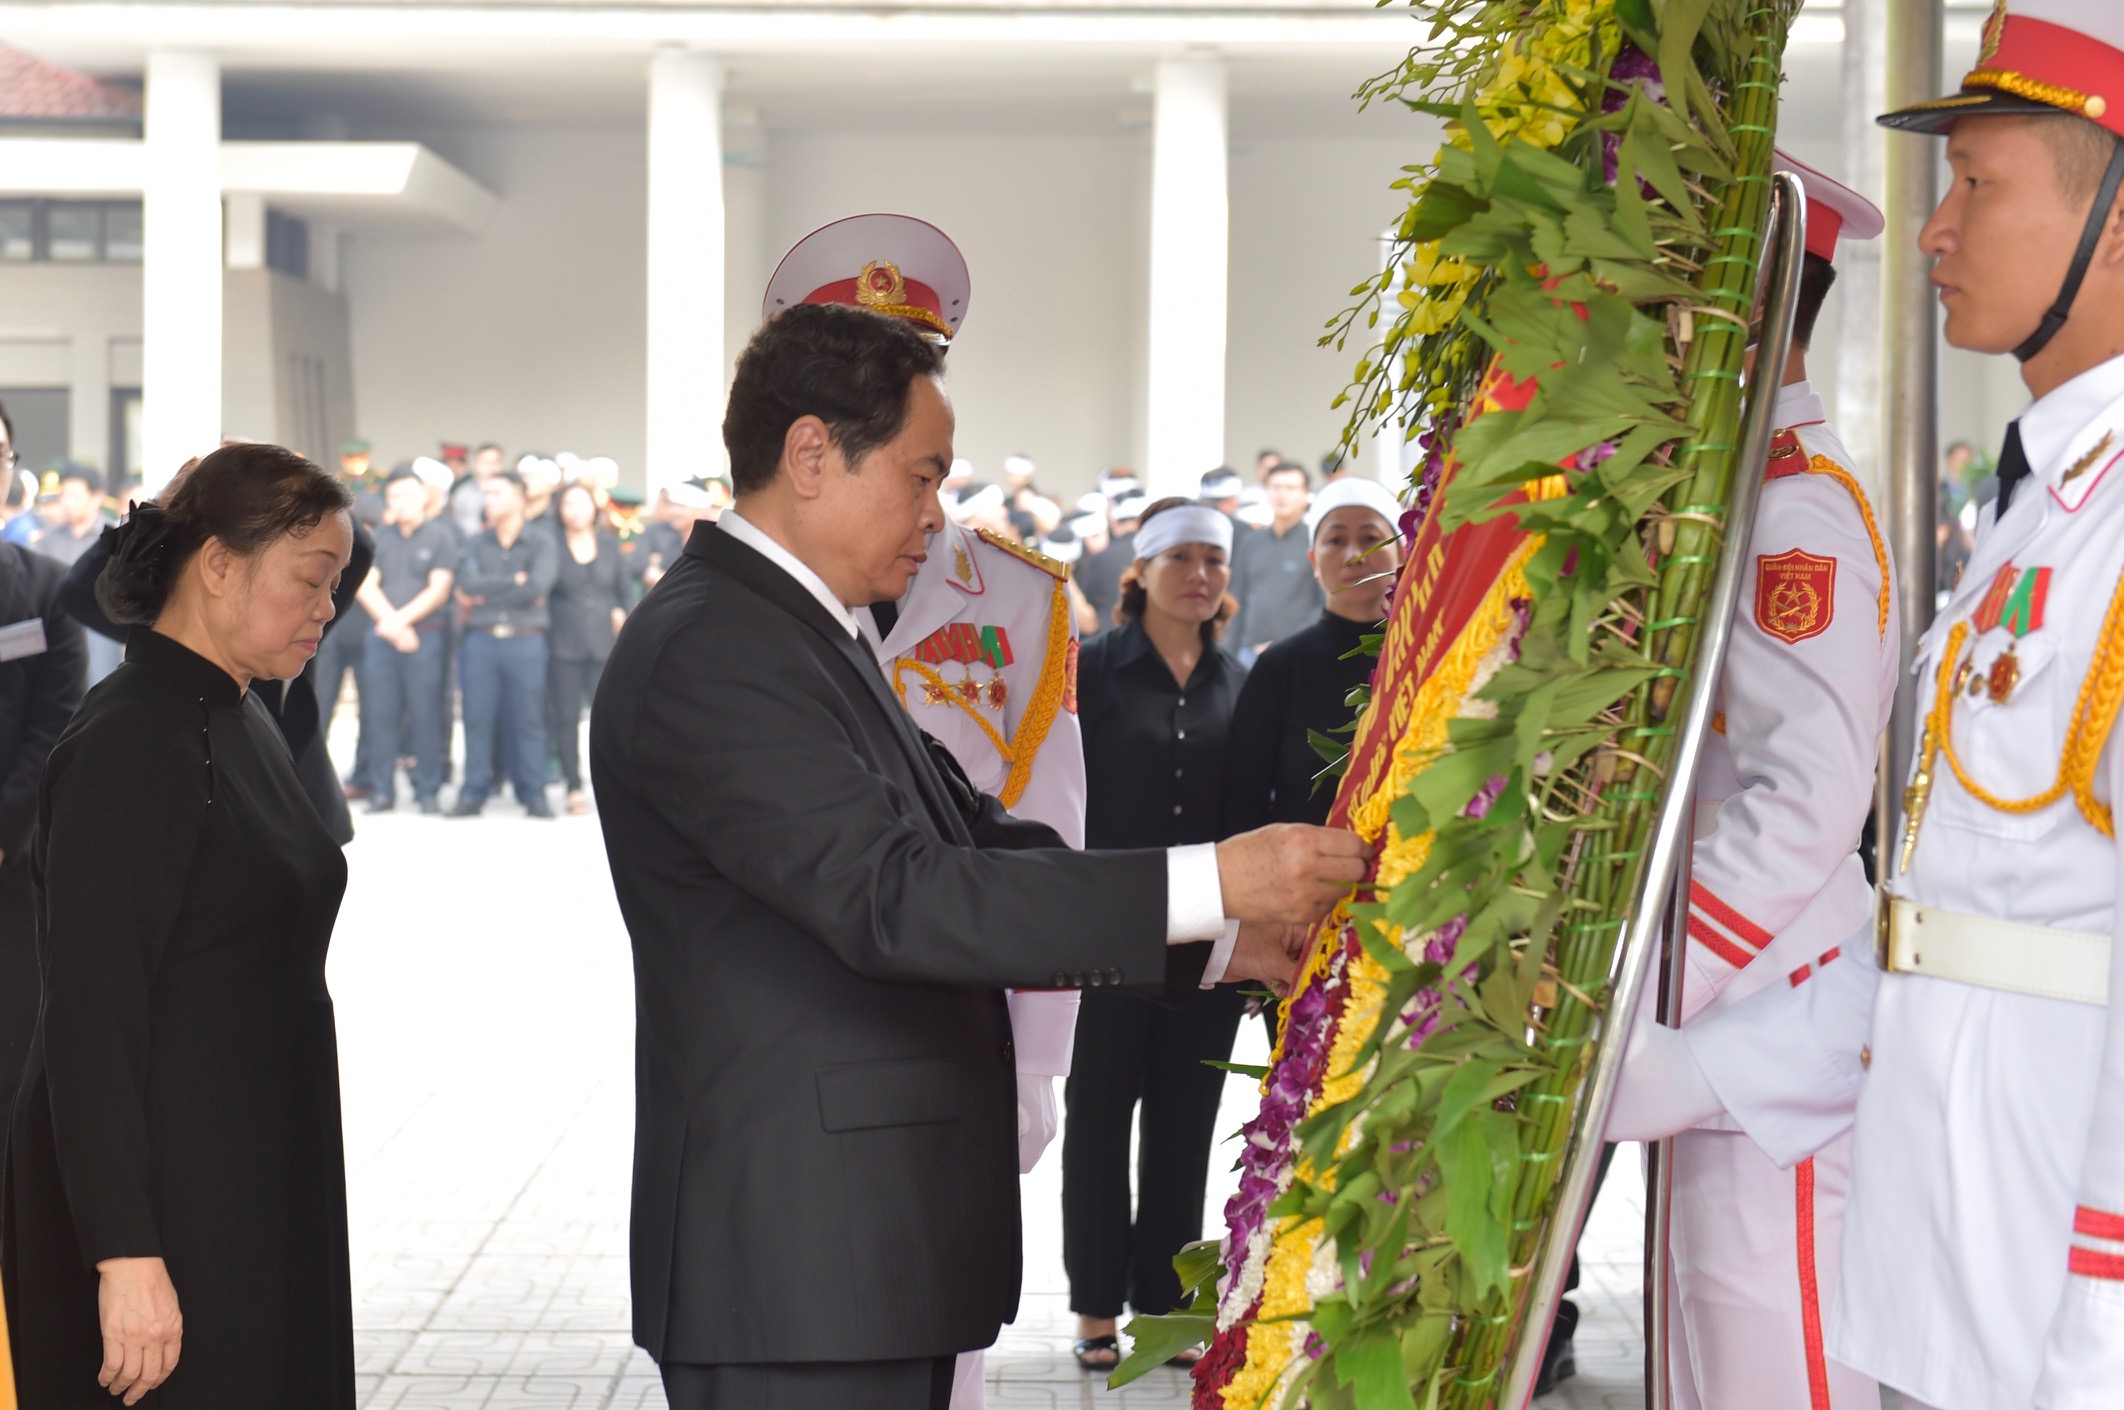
{"x": 1658, "y": 920}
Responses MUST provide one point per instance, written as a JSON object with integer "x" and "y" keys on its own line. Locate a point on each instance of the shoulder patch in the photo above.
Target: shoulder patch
{"x": 1795, "y": 595}
{"x": 1054, "y": 567}
{"x": 1787, "y": 456}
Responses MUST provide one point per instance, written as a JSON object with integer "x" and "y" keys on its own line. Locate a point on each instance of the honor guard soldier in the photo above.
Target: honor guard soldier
{"x": 1983, "y": 1262}
{"x": 983, "y": 648}
{"x": 1777, "y": 888}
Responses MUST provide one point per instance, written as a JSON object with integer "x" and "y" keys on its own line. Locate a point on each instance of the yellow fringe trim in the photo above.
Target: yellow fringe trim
{"x": 1823, "y": 465}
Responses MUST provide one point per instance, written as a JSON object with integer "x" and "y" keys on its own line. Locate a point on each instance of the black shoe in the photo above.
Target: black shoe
{"x": 537, "y": 808}
{"x": 1558, "y": 1363}
{"x": 429, "y": 807}
{"x": 466, "y": 808}
{"x": 382, "y": 805}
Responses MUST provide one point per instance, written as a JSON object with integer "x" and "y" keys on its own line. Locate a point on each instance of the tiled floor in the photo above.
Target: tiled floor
{"x": 485, "y": 1010}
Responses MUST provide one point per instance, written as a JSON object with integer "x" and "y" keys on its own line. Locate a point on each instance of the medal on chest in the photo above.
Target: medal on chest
{"x": 2016, "y": 600}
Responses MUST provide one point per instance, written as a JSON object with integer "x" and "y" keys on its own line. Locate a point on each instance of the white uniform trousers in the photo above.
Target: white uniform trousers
{"x": 1754, "y": 1252}
{"x": 968, "y": 1388}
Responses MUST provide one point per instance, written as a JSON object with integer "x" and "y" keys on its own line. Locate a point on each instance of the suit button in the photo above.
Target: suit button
{"x": 1113, "y": 976}
{"x": 1866, "y": 1058}
{"x": 1176, "y": 810}
{"x": 1095, "y": 979}
{"x": 1077, "y": 980}
{"x": 1058, "y": 980}
{"x": 1182, "y": 700}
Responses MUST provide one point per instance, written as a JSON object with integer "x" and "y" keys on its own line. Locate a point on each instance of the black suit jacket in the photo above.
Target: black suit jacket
{"x": 825, "y": 1113}
{"x": 37, "y": 697}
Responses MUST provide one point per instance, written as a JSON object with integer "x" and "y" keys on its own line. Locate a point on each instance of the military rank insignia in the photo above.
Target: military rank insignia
{"x": 1795, "y": 594}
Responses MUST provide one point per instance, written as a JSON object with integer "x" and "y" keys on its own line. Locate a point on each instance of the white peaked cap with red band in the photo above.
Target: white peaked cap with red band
{"x": 892, "y": 264}
{"x": 2037, "y": 56}
{"x": 1834, "y": 211}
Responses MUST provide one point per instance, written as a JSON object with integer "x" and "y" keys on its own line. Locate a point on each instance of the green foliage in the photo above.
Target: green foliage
{"x": 1628, "y": 302}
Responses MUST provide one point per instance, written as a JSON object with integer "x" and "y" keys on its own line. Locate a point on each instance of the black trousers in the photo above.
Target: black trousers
{"x": 21, "y": 984}
{"x": 812, "y": 1385}
{"x": 570, "y": 687}
{"x": 1133, "y": 1052}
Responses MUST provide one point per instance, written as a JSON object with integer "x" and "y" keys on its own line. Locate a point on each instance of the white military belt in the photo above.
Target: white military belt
{"x": 1993, "y": 953}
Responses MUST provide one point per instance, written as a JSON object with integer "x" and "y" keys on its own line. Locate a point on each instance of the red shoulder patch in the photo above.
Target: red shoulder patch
{"x": 1795, "y": 594}
{"x": 1787, "y": 456}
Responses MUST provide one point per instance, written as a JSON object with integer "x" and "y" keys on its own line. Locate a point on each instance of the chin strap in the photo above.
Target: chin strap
{"x": 2090, "y": 236}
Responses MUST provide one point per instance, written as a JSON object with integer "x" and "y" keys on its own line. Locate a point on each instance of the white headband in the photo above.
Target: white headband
{"x": 1185, "y": 523}
{"x": 1349, "y": 490}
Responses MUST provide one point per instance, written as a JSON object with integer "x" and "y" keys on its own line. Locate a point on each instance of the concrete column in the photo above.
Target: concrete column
{"x": 685, "y": 374}
{"x": 1189, "y": 251}
{"x": 1856, "y": 407}
{"x": 180, "y": 275}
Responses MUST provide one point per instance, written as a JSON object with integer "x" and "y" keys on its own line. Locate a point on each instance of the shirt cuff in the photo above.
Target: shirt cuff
{"x": 1194, "y": 897}
{"x": 1220, "y": 956}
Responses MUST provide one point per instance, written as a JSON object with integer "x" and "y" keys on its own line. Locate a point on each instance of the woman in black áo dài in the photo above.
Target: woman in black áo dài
{"x": 174, "y": 1196}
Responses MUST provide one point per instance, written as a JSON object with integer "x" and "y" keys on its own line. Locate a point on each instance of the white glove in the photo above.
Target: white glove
{"x": 1038, "y": 1120}
{"x": 1663, "y": 1090}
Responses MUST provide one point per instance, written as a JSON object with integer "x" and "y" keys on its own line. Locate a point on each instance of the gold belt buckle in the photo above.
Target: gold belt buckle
{"x": 1884, "y": 931}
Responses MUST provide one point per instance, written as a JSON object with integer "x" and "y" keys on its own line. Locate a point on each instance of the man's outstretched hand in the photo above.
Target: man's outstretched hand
{"x": 1289, "y": 873}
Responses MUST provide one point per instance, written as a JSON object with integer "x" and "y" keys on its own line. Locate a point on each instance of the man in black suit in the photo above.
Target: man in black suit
{"x": 43, "y": 664}
{"x": 824, "y": 911}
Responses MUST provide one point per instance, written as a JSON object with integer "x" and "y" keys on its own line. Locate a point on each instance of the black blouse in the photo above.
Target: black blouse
{"x": 582, "y": 600}
{"x": 182, "y": 1093}
{"x": 1154, "y": 750}
{"x": 1298, "y": 684}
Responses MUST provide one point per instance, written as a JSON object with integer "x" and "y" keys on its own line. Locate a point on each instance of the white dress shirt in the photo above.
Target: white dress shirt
{"x": 1194, "y": 890}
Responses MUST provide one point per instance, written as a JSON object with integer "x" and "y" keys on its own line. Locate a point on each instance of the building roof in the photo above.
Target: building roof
{"x": 32, "y": 90}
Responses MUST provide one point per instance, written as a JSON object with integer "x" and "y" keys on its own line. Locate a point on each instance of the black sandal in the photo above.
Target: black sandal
{"x": 1090, "y": 1347}
{"x": 1186, "y": 1360}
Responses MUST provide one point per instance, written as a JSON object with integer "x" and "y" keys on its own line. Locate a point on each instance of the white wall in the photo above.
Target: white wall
{"x": 88, "y": 309}
{"x": 1306, "y": 219}
{"x": 1053, "y": 229}
{"x": 532, "y": 333}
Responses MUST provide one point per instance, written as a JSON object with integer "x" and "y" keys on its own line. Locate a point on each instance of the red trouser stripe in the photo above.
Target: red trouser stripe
{"x": 1810, "y": 1292}
{"x": 2089, "y": 1264}
{"x": 2098, "y": 1223}
{"x": 1707, "y": 901}
{"x": 1718, "y": 944}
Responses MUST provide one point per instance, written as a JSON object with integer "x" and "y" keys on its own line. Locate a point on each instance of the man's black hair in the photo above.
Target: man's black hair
{"x": 7, "y": 423}
{"x": 401, "y": 472}
{"x": 847, "y": 366}
{"x": 511, "y": 477}
{"x": 1817, "y": 277}
{"x": 85, "y": 474}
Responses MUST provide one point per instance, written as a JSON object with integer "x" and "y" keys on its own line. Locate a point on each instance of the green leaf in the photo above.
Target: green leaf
{"x": 1370, "y": 1364}
{"x": 1157, "y": 1341}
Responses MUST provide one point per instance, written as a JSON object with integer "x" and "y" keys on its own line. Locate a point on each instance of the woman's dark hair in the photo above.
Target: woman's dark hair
{"x": 1135, "y": 596}
{"x": 849, "y": 367}
{"x": 249, "y": 496}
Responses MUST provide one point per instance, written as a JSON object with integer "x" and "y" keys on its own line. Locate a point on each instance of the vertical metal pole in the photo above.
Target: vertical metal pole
{"x": 1911, "y": 381}
{"x": 1659, "y": 1155}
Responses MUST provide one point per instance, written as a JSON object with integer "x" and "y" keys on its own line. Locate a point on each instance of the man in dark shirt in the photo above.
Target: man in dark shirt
{"x": 403, "y": 658}
{"x": 502, "y": 581}
{"x": 1271, "y": 576}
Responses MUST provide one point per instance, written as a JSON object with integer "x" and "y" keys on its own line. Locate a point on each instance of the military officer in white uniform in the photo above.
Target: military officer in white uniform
{"x": 1983, "y": 1263}
{"x": 983, "y": 648}
{"x": 1777, "y": 884}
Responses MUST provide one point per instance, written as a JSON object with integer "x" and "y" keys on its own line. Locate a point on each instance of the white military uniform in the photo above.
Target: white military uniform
{"x": 984, "y": 656}
{"x": 1985, "y": 1244}
{"x": 1777, "y": 884}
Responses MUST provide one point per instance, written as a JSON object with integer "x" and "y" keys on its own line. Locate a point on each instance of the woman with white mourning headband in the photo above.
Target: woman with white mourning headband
{"x": 1155, "y": 700}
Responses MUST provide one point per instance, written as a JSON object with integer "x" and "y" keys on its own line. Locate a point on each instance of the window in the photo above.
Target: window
{"x": 121, "y": 233}
{"x": 18, "y": 232}
{"x": 287, "y": 245}
{"x": 73, "y": 233}
{"x": 70, "y": 232}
